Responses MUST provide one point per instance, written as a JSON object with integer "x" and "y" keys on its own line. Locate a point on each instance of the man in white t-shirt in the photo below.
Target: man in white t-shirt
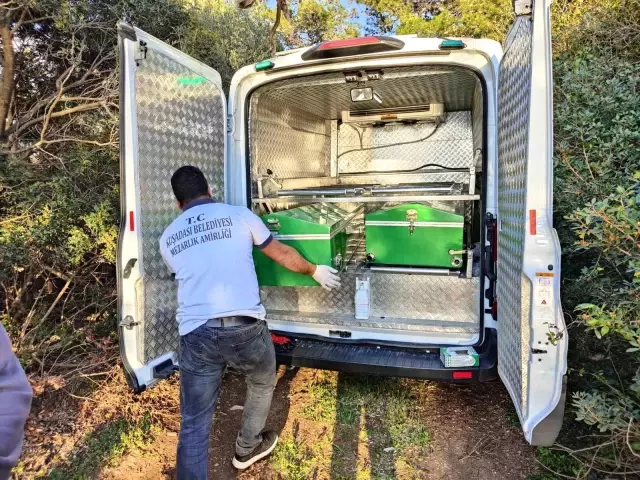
{"x": 220, "y": 317}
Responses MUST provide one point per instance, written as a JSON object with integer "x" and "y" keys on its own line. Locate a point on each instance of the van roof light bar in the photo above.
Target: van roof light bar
{"x": 353, "y": 46}
{"x": 452, "y": 44}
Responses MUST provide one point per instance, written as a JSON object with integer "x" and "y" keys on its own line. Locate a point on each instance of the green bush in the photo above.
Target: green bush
{"x": 597, "y": 198}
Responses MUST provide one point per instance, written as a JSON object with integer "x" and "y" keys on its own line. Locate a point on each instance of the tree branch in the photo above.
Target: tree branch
{"x": 92, "y": 86}
{"x": 36, "y": 20}
{"x": 47, "y": 116}
{"x": 20, "y": 21}
{"x": 40, "y": 143}
{"x": 60, "y": 113}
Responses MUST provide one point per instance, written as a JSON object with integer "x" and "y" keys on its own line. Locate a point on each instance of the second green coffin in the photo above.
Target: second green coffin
{"x": 414, "y": 234}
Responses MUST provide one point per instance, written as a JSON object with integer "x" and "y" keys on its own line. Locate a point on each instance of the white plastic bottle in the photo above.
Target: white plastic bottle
{"x": 363, "y": 296}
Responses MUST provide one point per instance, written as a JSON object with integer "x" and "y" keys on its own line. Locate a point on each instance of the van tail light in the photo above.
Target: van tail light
{"x": 353, "y": 46}
{"x": 462, "y": 375}
{"x": 132, "y": 224}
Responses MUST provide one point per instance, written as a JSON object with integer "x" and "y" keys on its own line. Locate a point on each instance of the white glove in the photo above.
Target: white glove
{"x": 326, "y": 277}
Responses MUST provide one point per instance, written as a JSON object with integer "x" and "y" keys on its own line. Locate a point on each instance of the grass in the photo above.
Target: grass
{"x": 322, "y": 398}
{"x": 293, "y": 460}
{"x": 103, "y": 447}
{"x": 370, "y": 426}
{"x": 555, "y": 463}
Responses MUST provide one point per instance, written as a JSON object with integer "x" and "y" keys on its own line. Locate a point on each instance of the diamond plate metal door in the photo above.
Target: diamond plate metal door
{"x": 174, "y": 114}
{"x": 180, "y": 122}
{"x": 530, "y": 365}
{"x": 513, "y": 138}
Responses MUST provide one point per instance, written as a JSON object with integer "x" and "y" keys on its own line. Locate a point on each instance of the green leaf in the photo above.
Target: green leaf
{"x": 584, "y": 306}
{"x": 632, "y": 349}
{"x": 604, "y": 330}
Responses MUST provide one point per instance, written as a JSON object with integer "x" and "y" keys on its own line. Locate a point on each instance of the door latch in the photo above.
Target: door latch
{"x": 412, "y": 217}
{"x": 128, "y": 322}
{"x": 273, "y": 224}
{"x": 456, "y": 261}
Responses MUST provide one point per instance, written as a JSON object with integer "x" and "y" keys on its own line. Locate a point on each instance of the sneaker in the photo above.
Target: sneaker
{"x": 269, "y": 441}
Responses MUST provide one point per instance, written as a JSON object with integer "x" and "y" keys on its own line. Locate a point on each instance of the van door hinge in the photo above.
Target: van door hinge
{"x": 128, "y": 323}
{"x": 523, "y": 7}
{"x": 490, "y": 266}
{"x": 229, "y": 123}
{"x": 143, "y": 52}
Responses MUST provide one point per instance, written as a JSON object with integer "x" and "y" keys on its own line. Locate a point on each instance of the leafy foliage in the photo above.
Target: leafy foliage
{"x": 313, "y": 21}
{"x": 442, "y": 18}
{"x": 224, "y": 37}
{"x": 597, "y": 196}
{"x": 59, "y": 174}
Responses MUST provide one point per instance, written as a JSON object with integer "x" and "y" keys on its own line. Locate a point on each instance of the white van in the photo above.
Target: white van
{"x": 460, "y": 125}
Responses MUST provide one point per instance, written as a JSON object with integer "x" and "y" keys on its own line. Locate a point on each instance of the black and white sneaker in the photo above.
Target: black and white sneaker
{"x": 269, "y": 441}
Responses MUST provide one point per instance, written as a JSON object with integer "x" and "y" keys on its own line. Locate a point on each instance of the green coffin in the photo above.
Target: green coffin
{"x": 316, "y": 231}
{"x": 414, "y": 234}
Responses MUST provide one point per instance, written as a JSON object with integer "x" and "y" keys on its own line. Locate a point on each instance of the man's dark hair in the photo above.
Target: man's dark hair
{"x": 188, "y": 183}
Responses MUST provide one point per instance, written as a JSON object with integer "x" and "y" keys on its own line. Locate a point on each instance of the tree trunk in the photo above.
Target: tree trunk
{"x": 8, "y": 74}
{"x": 276, "y": 24}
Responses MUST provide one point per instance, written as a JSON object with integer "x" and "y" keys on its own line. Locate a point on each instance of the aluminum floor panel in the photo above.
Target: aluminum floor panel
{"x": 420, "y": 303}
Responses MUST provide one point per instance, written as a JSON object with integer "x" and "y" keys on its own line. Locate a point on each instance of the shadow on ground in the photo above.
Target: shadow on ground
{"x": 337, "y": 427}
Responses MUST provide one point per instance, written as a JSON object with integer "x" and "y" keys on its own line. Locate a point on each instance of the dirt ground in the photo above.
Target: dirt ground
{"x": 335, "y": 426}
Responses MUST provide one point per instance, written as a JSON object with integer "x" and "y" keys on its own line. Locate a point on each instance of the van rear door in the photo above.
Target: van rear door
{"x": 532, "y": 341}
{"x": 172, "y": 113}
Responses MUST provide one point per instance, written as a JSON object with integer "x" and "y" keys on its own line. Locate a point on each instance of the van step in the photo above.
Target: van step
{"x": 383, "y": 360}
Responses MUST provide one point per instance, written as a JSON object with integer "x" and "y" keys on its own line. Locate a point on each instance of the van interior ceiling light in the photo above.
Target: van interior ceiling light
{"x": 362, "y": 94}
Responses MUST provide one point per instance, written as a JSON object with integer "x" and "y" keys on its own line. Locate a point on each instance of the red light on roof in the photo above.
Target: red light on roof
{"x": 348, "y": 42}
{"x": 462, "y": 375}
{"x": 353, "y": 46}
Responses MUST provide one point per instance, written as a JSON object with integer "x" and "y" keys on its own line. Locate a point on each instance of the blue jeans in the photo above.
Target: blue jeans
{"x": 204, "y": 355}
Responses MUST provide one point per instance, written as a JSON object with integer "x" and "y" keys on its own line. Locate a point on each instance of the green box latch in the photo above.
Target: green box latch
{"x": 450, "y": 44}
{"x": 264, "y": 65}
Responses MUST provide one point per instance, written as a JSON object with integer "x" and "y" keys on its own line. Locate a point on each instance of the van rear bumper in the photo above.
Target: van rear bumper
{"x": 388, "y": 361}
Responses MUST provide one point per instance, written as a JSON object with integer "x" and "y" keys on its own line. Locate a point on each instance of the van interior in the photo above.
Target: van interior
{"x": 396, "y": 155}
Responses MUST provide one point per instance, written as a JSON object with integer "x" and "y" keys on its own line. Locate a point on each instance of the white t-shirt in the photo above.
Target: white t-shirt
{"x": 209, "y": 248}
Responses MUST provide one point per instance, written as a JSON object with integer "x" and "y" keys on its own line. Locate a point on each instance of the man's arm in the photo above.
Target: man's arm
{"x": 289, "y": 258}
{"x": 285, "y": 255}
